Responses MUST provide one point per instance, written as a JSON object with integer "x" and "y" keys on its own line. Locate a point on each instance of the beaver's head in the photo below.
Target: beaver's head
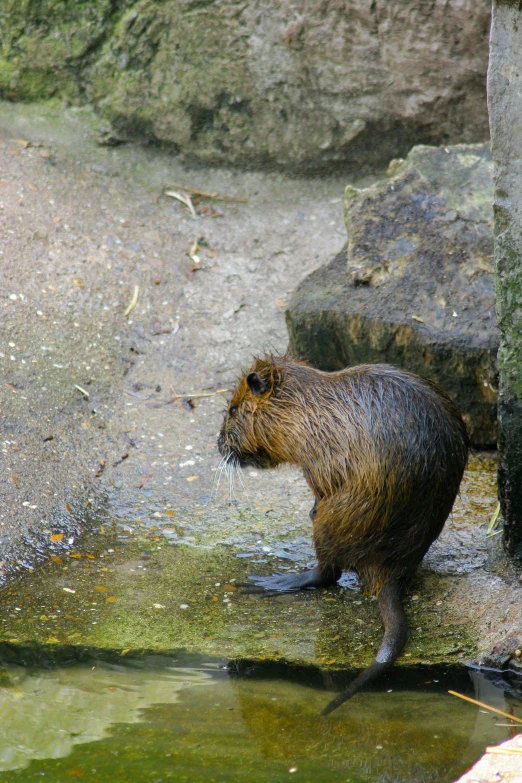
{"x": 247, "y": 434}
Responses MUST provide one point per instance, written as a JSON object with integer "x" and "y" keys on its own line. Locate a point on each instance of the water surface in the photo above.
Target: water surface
{"x": 178, "y": 718}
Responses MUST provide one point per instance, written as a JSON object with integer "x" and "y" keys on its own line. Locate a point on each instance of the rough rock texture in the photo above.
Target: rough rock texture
{"x": 415, "y": 287}
{"x": 505, "y": 105}
{"x": 315, "y": 85}
{"x": 498, "y": 764}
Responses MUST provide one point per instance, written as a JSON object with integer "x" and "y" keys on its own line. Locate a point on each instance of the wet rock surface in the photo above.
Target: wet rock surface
{"x": 415, "y": 285}
{"x": 500, "y": 763}
{"x": 309, "y": 86}
{"x": 146, "y": 550}
{"x": 505, "y": 105}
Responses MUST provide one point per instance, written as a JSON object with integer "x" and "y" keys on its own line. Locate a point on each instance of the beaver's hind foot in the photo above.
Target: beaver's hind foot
{"x": 291, "y": 583}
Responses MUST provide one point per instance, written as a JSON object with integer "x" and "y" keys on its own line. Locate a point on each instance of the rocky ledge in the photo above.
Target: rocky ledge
{"x": 414, "y": 286}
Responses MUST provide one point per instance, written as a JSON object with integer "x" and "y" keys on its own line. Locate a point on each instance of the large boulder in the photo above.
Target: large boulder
{"x": 415, "y": 285}
{"x": 309, "y": 86}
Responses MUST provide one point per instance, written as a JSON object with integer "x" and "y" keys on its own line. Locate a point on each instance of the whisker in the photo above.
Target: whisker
{"x": 239, "y": 473}
{"x": 217, "y": 476}
{"x": 230, "y": 465}
{"x": 216, "y": 473}
{"x": 230, "y": 468}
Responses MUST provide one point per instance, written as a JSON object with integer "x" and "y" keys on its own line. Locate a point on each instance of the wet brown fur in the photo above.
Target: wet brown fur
{"x": 382, "y": 450}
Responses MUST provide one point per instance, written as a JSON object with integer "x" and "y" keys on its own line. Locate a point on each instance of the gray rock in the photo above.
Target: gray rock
{"x": 315, "y": 85}
{"x": 415, "y": 285}
{"x": 505, "y": 103}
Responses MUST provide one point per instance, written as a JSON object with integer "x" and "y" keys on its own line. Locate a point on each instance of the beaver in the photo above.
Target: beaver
{"x": 383, "y": 451}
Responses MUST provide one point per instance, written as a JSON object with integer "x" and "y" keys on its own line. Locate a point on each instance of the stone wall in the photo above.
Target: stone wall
{"x": 312, "y": 85}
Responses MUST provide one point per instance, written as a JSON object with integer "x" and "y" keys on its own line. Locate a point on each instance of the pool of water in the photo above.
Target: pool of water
{"x": 178, "y": 718}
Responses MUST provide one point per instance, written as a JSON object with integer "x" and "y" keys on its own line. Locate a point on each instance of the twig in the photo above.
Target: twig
{"x": 177, "y": 397}
{"x": 200, "y": 394}
{"x": 486, "y": 706}
{"x": 214, "y": 196}
{"x": 507, "y": 751}
{"x": 85, "y": 393}
{"x": 133, "y": 302}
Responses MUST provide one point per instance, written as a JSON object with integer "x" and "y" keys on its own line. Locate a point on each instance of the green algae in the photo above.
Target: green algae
{"x": 173, "y": 581}
{"x": 46, "y": 46}
{"x": 155, "y": 596}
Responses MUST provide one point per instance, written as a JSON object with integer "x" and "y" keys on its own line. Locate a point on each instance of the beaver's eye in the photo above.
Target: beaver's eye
{"x": 233, "y": 410}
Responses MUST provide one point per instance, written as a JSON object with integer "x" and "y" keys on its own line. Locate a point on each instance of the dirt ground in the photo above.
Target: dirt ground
{"x": 110, "y": 415}
{"x": 82, "y": 226}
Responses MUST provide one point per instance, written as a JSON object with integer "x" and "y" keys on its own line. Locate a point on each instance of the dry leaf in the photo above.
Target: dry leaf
{"x": 57, "y": 537}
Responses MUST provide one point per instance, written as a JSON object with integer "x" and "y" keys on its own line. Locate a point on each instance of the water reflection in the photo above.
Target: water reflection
{"x": 197, "y": 723}
{"x": 46, "y": 713}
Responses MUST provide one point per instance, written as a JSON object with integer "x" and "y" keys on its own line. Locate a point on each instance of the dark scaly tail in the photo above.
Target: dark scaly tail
{"x": 393, "y": 641}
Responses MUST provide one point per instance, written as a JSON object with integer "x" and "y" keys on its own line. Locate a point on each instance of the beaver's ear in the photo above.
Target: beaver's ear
{"x": 256, "y": 384}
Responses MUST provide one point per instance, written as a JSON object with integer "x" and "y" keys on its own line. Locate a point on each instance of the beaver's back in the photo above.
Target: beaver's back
{"x": 386, "y": 453}
{"x": 374, "y": 418}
